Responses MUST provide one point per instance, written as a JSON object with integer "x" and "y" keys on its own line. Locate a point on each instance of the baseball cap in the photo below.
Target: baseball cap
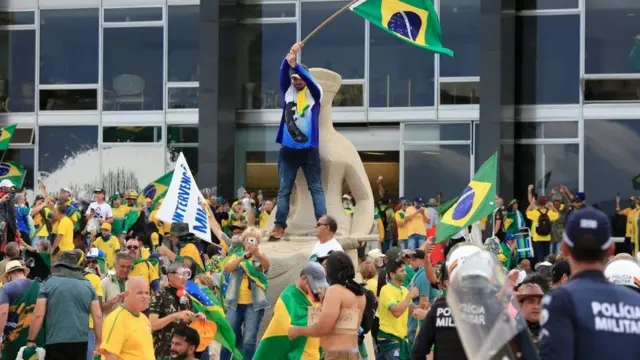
{"x": 580, "y": 196}
{"x": 316, "y": 276}
{"x": 394, "y": 253}
{"x": 98, "y": 190}
{"x": 561, "y": 267}
{"x": 588, "y": 229}
{"x": 418, "y": 254}
{"x": 105, "y": 226}
{"x": 95, "y": 253}
{"x": 375, "y": 254}
{"x": 6, "y": 183}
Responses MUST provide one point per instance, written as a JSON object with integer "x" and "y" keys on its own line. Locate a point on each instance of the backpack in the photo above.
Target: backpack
{"x": 543, "y": 227}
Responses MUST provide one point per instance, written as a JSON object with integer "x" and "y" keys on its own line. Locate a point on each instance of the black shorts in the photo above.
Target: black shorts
{"x": 67, "y": 351}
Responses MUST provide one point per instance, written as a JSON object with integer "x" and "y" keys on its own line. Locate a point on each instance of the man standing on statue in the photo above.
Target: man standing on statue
{"x": 298, "y": 135}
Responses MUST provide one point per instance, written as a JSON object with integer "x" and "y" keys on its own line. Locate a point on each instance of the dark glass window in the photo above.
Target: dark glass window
{"x": 84, "y": 99}
{"x": 131, "y": 134}
{"x": 184, "y": 98}
{"x": 69, "y": 46}
{"x": 184, "y": 22}
{"x": 133, "y": 14}
{"x": 133, "y": 68}
{"x": 612, "y": 42}
{"x": 546, "y": 4}
{"x": 262, "y": 48}
{"x": 460, "y": 20}
{"x": 261, "y": 11}
{"x": 17, "y": 18}
{"x": 450, "y": 162}
{"x": 544, "y": 130}
{"x": 459, "y": 93}
{"x": 339, "y": 46}
{"x": 349, "y": 95}
{"x": 17, "y": 70}
{"x": 182, "y": 134}
{"x": 400, "y": 74}
{"x": 611, "y": 90}
{"x": 549, "y": 54}
{"x": 436, "y": 132}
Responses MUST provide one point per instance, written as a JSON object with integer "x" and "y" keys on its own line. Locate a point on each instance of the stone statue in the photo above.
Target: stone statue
{"x": 340, "y": 162}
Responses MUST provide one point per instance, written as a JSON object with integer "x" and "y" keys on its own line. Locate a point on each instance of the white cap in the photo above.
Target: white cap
{"x": 375, "y": 254}
{"x": 6, "y": 183}
{"x": 459, "y": 254}
{"x": 623, "y": 272}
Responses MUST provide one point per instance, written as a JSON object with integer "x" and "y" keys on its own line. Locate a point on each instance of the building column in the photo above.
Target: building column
{"x": 497, "y": 87}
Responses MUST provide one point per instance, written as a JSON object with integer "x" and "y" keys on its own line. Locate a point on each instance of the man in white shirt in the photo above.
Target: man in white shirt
{"x": 98, "y": 212}
{"x": 325, "y": 231}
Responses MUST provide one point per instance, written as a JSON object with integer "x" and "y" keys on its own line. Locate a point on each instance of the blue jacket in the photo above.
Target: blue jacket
{"x": 590, "y": 318}
{"x": 298, "y": 131}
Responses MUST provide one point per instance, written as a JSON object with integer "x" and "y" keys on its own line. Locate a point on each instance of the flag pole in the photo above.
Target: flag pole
{"x": 328, "y": 20}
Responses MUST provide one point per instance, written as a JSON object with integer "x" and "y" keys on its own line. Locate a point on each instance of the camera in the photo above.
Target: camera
{"x": 252, "y": 241}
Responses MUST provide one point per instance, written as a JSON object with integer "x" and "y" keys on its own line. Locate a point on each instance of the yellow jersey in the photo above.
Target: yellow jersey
{"x": 144, "y": 269}
{"x": 120, "y": 211}
{"x": 403, "y": 231}
{"x": 97, "y": 287}
{"x": 245, "y": 296}
{"x": 264, "y": 219}
{"x": 110, "y": 248}
{"x": 416, "y": 224}
{"x": 391, "y": 295}
{"x": 127, "y": 335}
{"x": 65, "y": 228}
{"x": 39, "y": 222}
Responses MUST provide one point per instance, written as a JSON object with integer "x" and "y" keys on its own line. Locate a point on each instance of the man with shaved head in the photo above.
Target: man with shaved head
{"x": 126, "y": 330}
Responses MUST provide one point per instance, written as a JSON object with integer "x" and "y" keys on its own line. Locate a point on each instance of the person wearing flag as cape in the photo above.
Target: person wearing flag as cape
{"x": 183, "y": 242}
{"x": 292, "y": 309}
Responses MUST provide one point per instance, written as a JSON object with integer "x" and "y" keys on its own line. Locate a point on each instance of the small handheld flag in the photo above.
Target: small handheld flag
{"x": 6, "y": 134}
{"x": 476, "y": 201}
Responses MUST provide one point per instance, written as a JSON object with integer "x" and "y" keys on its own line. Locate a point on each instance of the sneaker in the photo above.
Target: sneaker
{"x": 276, "y": 234}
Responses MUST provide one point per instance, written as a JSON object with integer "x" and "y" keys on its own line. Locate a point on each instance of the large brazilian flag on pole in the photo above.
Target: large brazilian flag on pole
{"x": 476, "y": 201}
{"x": 413, "y": 21}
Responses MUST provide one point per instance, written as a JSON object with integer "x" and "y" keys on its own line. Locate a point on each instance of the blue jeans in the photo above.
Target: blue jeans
{"x": 389, "y": 355}
{"x": 247, "y": 339}
{"x": 403, "y": 244}
{"x": 416, "y": 241}
{"x": 555, "y": 248}
{"x": 289, "y": 161}
{"x": 541, "y": 249}
{"x": 91, "y": 344}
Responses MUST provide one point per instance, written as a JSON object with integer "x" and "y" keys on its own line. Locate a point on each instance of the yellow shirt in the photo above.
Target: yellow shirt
{"x": 629, "y": 213}
{"x": 163, "y": 228}
{"x": 144, "y": 269}
{"x": 403, "y": 231}
{"x": 372, "y": 285}
{"x": 39, "y": 222}
{"x": 120, "y": 211}
{"x": 264, "y": 218}
{"x": 245, "y": 297}
{"x": 144, "y": 253}
{"x": 97, "y": 287}
{"x": 533, "y": 215}
{"x": 127, "y": 335}
{"x": 416, "y": 225}
{"x": 391, "y": 295}
{"x": 65, "y": 228}
{"x": 109, "y": 247}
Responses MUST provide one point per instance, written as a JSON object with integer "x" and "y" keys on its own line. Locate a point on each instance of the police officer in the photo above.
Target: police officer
{"x": 589, "y": 317}
{"x": 438, "y": 332}
{"x": 624, "y": 270}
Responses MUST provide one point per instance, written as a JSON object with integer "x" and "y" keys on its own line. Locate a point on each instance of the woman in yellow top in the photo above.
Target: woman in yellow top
{"x": 369, "y": 275}
{"x": 64, "y": 230}
{"x": 42, "y": 218}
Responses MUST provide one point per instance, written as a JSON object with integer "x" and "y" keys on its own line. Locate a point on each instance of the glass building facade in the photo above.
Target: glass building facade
{"x": 107, "y": 92}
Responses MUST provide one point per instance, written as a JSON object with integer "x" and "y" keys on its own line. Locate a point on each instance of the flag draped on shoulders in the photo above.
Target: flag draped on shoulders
{"x": 476, "y": 201}
{"x": 257, "y": 276}
{"x": 290, "y": 309}
{"x": 190, "y": 251}
{"x": 18, "y": 322}
{"x": 413, "y": 21}
{"x": 205, "y": 302}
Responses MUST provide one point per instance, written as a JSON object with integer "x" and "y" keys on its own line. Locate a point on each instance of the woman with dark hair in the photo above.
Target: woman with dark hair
{"x": 343, "y": 306}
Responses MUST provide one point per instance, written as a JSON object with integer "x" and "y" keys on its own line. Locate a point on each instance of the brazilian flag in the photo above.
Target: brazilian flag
{"x": 6, "y": 134}
{"x": 157, "y": 189}
{"x": 476, "y": 201}
{"x": 290, "y": 309}
{"x": 11, "y": 170}
{"x": 413, "y": 21}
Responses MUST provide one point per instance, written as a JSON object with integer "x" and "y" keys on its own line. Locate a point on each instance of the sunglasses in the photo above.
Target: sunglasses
{"x": 131, "y": 247}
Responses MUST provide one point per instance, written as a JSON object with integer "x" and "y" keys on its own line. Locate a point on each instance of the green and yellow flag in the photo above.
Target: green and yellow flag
{"x": 290, "y": 309}
{"x": 6, "y": 134}
{"x": 476, "y": 201}
{"x": 11, "y": 170}
{"x": 413, "y": 21}
{"x": 157, "y": 189}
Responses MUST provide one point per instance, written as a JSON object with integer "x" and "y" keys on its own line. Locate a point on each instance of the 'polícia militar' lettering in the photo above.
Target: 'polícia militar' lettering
{"x": 443, "y": 318}
{"x": 472, "y": 313}
{"x": 184, "y": 190}
{"x": 619, "y": 310}
{"x": 620, "y": 326}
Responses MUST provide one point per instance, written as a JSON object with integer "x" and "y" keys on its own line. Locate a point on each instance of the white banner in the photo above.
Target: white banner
{"x": 182, "y": 202}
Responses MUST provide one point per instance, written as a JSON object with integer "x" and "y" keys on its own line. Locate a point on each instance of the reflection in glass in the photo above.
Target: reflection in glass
{"x": 546, "y": 4}
{"x": 262, "y": 11}
{"x": 544, "y": 130}
{"x": 131, "y": 134}
{"x": 133, "y": 14}
{"x": 612, "y": 37}
{"x": 133, "y": 68}
{"x": 68, "y": 156}
{"x": 17, "y": 18}
{"x": 611, "y": 161}
{"x": 449, "y": 163}
{"x": 459, "y": 93}
{"x": 182, "y": 134}
{"x": 26, "y": 158}
{"x": 261, "y": 51}
{"x": 349, "y": 95}
{"x": 184, "y": 98}
{"x": 401, "y": 75}
{"x": 437, "y": 132}
{"x": 611, "y": 90}
{"x": 461, "y": 21}
{"x": 550, "y": 53}
{"x": 131, "y": 167}
{"x": 23, "y": 136}
{"x": 183, "y": 43}
{"x": 83, "y": 99}
{"x": 17, "y": 70}
{"x": 190, "y": 154}
{"x": 339, "y": 46}
{"x": 69, "y": 46}
{"x": 534, "y": 162}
